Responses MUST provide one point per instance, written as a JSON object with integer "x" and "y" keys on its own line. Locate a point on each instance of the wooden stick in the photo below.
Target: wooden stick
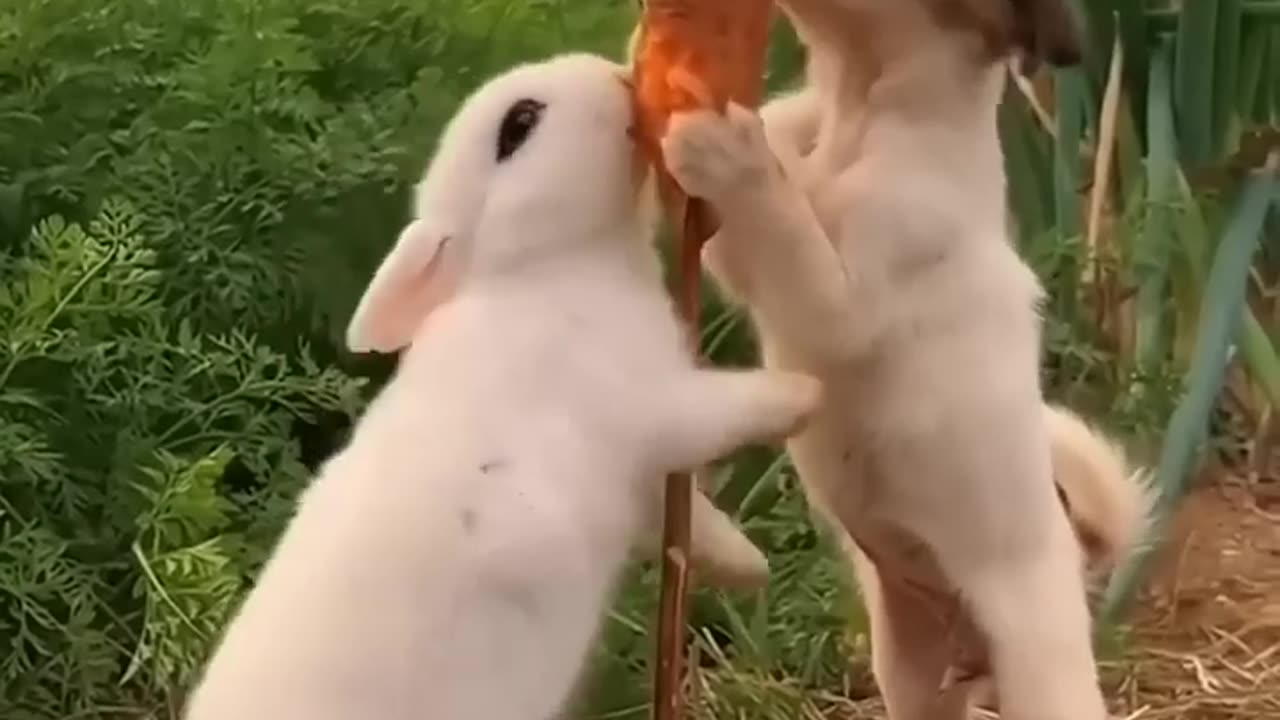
{"x": 676, "y": 528}
{"x": 668, "y": 700}
{"x": 689, "y": 54}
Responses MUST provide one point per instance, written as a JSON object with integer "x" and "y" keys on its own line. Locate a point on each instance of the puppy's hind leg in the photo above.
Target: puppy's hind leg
{"x": 1034, "y": 614}
{"x": 909, "y": 653}
{"x": 1018, "y": 570}
{"x": 711, "y": 413}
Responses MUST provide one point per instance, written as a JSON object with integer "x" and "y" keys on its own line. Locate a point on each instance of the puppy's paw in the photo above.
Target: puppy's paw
{"x": 718, "y": 157}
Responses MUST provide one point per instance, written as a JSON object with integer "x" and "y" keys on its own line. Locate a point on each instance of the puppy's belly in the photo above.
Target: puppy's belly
{"x": 846, "y": 453}
{"x": 909, "y": 449}
{"x": 890, "y": 459}
{"x": 838, "y": 470}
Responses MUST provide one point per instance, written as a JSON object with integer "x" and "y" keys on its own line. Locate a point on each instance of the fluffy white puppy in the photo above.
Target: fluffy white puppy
{"x": 864, "y": 226}
{"x": 453, "y": 561}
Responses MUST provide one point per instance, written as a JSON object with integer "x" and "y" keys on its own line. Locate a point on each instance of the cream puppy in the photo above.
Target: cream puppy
{"x": 453, "y": 561}
{"x": 864, "y": 226}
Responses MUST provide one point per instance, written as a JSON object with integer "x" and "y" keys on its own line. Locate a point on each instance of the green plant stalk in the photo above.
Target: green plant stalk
{"x": 1260, "y": 109}
{"x": 1133, "y": 28}
{"x": 1253, "y": 10}
{"x": 1192, "y": 232}
{"x": 1193, "y": 80}
{"x": 1027, "y": 166}
{"x": 1274, "y": 91}
{"x": 1222, "y": 309}
{"x": 1261, "y": 357}
{"x": 1151, "y": 257}
{"x": 1070, "y": 88}
{"x": 1101, "y": 25}
{"x": 1130, "y": 162}
{"x": 1260, "y": 354}
{"x": 1226, "y": 80}
{"x": 1253, "y": 55}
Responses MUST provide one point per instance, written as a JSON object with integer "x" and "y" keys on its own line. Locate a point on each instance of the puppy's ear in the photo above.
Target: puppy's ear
{"x": 1048, "y": 31}
{"x": 1032, "y": 30}
{"x": 418, "y": 274}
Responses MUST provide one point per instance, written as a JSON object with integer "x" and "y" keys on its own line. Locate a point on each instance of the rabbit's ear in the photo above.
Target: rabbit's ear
{"x": 416, "y": 276}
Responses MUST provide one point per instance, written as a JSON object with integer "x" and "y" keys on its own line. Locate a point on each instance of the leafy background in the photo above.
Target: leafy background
{"x": 193, "y": 194}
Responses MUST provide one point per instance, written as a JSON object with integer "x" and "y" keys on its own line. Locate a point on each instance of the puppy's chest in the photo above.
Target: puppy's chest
{"x": 875, "y": 212}
{"x": 835, "y": 197}
{"x": 828, "y": 206}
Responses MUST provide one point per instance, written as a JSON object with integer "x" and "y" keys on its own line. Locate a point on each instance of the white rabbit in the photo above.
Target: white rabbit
{"x": 453, "y": 561}
{"x": 871, "y": 249}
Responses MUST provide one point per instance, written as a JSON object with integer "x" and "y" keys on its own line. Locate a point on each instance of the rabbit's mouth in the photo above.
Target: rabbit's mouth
{"x": 633, "y": 127}
{"x": 640, "y": 164}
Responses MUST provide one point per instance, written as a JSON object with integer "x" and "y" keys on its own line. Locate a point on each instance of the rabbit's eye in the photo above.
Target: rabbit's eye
{"x": 517, "y": 125}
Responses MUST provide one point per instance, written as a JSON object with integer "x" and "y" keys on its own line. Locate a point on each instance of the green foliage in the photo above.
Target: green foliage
{"x": 1165, "y": 304}
{"x": 192, "y": 196}
{"x": 1224, "y": 301}
{"x": 125, "y": 533}
{"x": 268, "y": 144}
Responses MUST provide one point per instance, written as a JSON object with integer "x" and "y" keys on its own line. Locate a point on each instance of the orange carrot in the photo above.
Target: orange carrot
{"x": 691, "y": 54}
{"x": 696, "y": 54}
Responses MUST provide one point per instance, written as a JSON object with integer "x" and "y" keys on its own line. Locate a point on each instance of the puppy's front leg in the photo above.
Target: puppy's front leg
{"x": 791, "y": 127}
{"x": 771, "y": 249}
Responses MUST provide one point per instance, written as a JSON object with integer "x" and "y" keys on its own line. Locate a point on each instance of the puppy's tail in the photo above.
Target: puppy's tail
{"x": 1109, "y": 504}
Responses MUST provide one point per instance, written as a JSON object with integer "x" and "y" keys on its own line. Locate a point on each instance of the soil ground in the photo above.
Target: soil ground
{"x": 1206, "y": 639}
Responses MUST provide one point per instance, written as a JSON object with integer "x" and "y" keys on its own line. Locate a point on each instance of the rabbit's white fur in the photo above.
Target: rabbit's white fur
{"x": 453, "y": 560}
{"x": 871, "y": 248}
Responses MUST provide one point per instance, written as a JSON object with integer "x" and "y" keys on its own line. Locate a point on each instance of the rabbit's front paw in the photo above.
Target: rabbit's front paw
{"x": 797, "y": 398}
{"x": 716, "y": 156}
